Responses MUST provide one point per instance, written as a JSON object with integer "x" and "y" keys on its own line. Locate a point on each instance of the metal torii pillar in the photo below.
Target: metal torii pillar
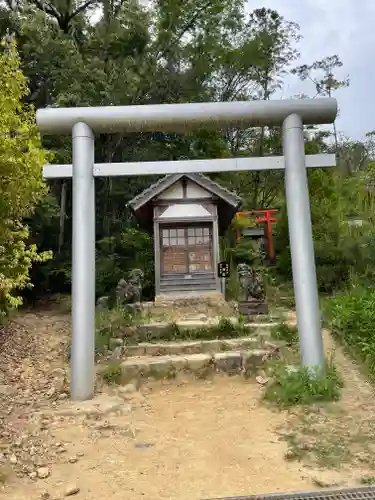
{"x": 83, "y": 122}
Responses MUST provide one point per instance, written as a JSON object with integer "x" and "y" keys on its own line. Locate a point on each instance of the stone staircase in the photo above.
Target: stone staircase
{"x": 245, "y": 355}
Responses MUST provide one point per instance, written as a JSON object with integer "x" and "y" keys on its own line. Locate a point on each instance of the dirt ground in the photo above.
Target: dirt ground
{"x": 196, "y": 440}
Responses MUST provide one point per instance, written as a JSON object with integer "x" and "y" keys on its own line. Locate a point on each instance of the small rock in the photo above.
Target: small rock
{"x": 262, "y": 380}
{"x": 326, "y": 479}
{"x": 39, "y": 462}
{"x": 322, "y": 483}
{"x": 290, "y": 455}
{"x": 43, "y": 472}
{"x": 18, "y": 442}
{"x": 113, "y": 343}
{"x": 116, "y": 353}
{"x": 45, "y": 495}
{"x": 99, "y": 426}
{"x": 63, "y": 395}
{"x": 33, "y": 475}
{"x": 13, "y": 459}
{"x": 72, "y": 460}
{"x": 80, "y": 454}
{"x": 7, "y": 390}
{"x": 71, "y": 490}
{"x": 128, "y": 388}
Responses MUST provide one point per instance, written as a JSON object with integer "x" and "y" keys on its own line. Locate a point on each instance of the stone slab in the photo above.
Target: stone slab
{"x": 102, "y": 404}
{"x": 191, "y": 347}
{"x": 169, "y": 365}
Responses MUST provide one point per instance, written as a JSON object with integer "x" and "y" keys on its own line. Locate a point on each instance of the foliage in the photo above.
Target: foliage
{"x": 21, "y": 186}
{"x": 112, "y": 373}
{"x": 224, "y": 329}
{"x": 129, "y": 249}
{"x": 196, "y": 51}
{"x": 109, "y": 324}
{"x": 301, "y": 387}
{"x": 119, "y": 322}
{"x": 288, "y": 334}
{"x": 351, "y": 316}
{"x": 368, "y": 480}
{"x": 341, "y": 248}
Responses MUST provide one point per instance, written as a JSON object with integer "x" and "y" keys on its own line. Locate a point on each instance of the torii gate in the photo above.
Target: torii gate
{"x": 82, "y": 123}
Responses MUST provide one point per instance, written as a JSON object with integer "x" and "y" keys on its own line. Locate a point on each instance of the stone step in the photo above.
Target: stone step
{"x": 192, "y": 347}
{"x": 156, "y": 330}
{"x": 201, "y": 365}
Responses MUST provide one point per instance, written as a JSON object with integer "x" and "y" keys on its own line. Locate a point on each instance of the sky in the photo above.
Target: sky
{"x": 345, "y": 28}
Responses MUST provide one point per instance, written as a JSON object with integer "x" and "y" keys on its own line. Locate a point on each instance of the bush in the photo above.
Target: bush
{"x": 341, "y": 248}
{"x": 288, "y": 334}
{"x": 109, "y": 323}
{"x": 299, "y": 387}
{"x": 21, "y": 182}
{"x": 112, "y": 374}
{"x": 116, "y": 255}
{"x": 351, "y": 317}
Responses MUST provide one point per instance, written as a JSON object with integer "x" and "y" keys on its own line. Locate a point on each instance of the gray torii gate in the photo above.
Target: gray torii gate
{"x": 82, "y": 123}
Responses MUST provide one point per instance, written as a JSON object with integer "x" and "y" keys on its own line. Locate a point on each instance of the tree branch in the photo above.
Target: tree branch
{"x": 80, "y": 9}
{"x": 47, "y": 8}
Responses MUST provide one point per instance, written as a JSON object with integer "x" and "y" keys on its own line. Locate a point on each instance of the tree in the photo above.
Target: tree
{"x": 21, "y": 183}
{"x": 321, "y": 74}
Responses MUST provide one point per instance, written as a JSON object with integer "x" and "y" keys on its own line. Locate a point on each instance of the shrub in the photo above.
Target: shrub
{"x": 109, "y": 323}
{"x": 288, "y": 334}
{"x": 112, "y": 374}
{"x": 299, "y": 387}
{"x": 118, "y": 254}
{"x": 351, "y": 317}
{"x": 21, "y": 182}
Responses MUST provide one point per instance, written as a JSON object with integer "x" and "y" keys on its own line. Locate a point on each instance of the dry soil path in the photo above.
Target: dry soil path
{"x": 196, "y": 440}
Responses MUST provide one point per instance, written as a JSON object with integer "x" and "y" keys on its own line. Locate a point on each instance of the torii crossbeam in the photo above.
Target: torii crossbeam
{"x": 82, "y": 123}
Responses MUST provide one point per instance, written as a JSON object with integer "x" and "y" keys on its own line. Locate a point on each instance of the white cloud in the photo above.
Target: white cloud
{"x": 343, "y": 27}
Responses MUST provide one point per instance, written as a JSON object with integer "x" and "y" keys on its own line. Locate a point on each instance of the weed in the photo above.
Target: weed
{"x": 351, "y": 317}
{"x": 301, "y": 387}
{"x": 171, "y": 373}
{"x": 369, "y": 480}
{"x": 205, "y": 372}
{"x": 308, "y": 441}
{"x": 288, "y": 334}
{"x": 112, "y": 373}
{"x": 224, "y": 329}
{"x": 109, "y": 322}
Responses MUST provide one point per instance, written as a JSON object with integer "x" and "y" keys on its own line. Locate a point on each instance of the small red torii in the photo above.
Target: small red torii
{"x": 268, "y": 219}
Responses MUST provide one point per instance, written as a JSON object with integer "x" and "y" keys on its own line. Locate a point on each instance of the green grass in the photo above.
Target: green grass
{"x": 299, "y": 387}
{"x": 368, "y": 480}
{"x": 351, "y": 317}
{"x": 109, "y": 323}
{"x": 286, "y": 333}
{"x": 112, "y": 323}
{"x": 112, "y": 373}
{"x": 224, "y": 329}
